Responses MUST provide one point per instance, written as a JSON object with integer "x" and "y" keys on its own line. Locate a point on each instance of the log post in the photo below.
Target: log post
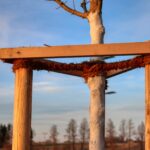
{"x": 147, "y": 108}
{"x": 22, "y": 109}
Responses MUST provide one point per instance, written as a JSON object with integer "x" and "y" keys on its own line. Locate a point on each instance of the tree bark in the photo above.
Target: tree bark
{"x": 97, "y": 89}
{"x": 22, "y": 109}
{"x": 97, "y": 30}
{"x": 97, "y": 113}
{"x": 147, "y": 108}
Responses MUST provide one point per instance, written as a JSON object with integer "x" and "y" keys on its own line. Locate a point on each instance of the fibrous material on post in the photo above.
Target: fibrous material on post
{"x": 88, "y": 69}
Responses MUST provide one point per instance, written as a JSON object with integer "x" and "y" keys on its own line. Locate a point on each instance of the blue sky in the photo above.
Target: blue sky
{"x": 57, "y": 97}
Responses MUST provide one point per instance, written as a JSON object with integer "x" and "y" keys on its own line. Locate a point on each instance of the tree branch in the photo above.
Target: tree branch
{"x": 96, "y": 5}
{"x": 100, "y": 5}
{"x": 70, "y": 10}
{"x": 83, "y": 5}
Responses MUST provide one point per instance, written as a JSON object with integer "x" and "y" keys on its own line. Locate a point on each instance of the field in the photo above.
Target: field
{"x": 117, "y": 146}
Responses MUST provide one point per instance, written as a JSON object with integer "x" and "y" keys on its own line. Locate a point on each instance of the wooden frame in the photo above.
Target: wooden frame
{"x": 24, "y": 76}
{"x": 140, "y": 48}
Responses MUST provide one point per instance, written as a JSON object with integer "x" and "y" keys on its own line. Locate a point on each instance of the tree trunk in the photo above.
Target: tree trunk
{"x": 97, "y": 30}
{"x": 97, "y": 113}
{"x": 97, "y": 90}
{"x": 22, "y": 109}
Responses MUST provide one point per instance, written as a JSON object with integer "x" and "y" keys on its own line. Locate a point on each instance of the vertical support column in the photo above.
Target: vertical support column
{"x": 22, "y": 109}
{"x": 97, "y": 113}
{"x": 147, "y": 108}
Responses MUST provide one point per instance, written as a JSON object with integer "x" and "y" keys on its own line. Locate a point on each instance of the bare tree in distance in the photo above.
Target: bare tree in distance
{"x": 9, "y": 133}
{"x": 84, "y": 132}
{"x": 141, "y": 135}
{"x": 122, "y": 130}
{"x": 130, "y": 132}
{"x": 71, "y": 133}
{"x": 5, "y": 134}
{"x": 54, "y": 136}
{"x": 92, "y": 11}
{"x": 110, "y": 134}
{"x": 32, "y": 135}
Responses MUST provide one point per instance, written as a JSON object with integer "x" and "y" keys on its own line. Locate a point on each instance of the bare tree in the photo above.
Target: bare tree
{"x": 96, "y": 84}
{"x": 122, "y": 129}
{"x": 130, "y": 132}
{"x": 141, "y": 134}
{"x": 110, "y": 133}
{"x": 72, "y": 133}
{"x": 32, "y": 135}
{"x": 84, "y": 132}
{"x": 54, "y": 136}
{"x": 5, "y": 134}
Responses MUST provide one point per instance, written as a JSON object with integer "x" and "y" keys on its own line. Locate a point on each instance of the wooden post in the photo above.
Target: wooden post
{"x": 22, "y": 109}
{"x": 147, "y": 107}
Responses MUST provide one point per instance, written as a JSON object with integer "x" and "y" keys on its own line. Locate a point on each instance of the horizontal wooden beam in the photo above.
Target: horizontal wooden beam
{"x": 110, "y": 74}
{"x": 70, "y": 72}
{"x": 92, "y": 50}
{"x": 113, "y": 73}
{"x": 78, "y": 73}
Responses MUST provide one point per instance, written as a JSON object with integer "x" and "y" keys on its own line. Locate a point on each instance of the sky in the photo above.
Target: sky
{"x": 56, "y": 97}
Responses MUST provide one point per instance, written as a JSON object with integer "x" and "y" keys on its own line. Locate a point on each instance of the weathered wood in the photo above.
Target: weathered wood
{"x": 76, "y": 73}
{"x": 22, "y": 109}
{"x": 110, "y": 74}
{"x": 70, "y": 72}
{"x": 113, "y": 73}
{"x": 76, "y": 50}
{"x": 147, "y": 108}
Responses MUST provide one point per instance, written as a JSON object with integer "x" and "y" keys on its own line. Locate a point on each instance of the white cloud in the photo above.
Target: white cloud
{"x": 6, "y": 91}
{"x": 17, "y": 33}
{"x": 46, "y": 87}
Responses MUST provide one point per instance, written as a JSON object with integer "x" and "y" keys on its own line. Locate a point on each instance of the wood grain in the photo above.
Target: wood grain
{"x": 22, "y": 109}
{"x": 76, "y": 50}
{"x": 147, "y": 108}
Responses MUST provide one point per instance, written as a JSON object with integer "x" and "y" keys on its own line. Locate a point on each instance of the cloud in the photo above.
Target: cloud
{"x": 6, "y": 91}
{"x": 132, "y": 108}
{"x": 46, "y": 87}
{"x": 54, "y": 82}
{"x": 6, "y": 111}
{"x": 57, "y": 109}
{"x": 26, "y": 33}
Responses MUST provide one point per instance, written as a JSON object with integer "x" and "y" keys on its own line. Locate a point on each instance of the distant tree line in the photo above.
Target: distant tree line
{"x": 77, "y": 137}
{"x": 5, "y": 134}
{"x": 127, "y": 134}
{"x": 72, "y": 136}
